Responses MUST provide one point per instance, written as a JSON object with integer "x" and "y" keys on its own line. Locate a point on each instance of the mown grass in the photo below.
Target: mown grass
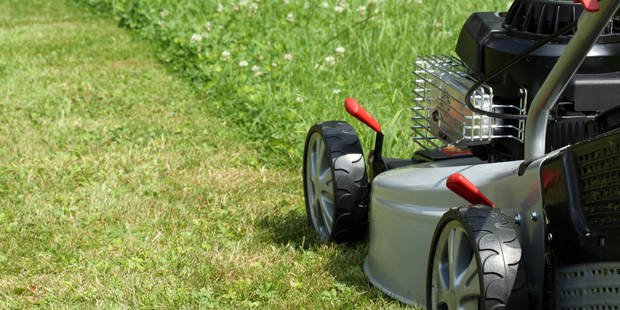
{"x": 292, "y": 44}
{"x": 119, "y": 190}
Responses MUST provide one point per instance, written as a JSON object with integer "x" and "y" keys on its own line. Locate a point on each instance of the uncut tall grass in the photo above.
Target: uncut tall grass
{"x": 273, "y": 68}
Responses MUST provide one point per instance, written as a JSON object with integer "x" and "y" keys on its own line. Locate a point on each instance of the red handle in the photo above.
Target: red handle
{"x": 460, "y": 185}
{"x": 590, "y": 5}
{"x": 358, "y": 112}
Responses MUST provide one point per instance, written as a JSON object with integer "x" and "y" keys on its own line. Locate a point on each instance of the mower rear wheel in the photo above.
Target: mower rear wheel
{"x": 475, "y": 262}
{"x": 335, "y": 182}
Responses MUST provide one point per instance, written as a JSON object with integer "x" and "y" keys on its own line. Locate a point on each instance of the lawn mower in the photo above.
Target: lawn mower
{"x": 512, "y": 200}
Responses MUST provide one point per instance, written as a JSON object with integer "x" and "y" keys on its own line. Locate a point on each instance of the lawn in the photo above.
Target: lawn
{"x": 275, "y": 67}
{"x": 147, "y": 169}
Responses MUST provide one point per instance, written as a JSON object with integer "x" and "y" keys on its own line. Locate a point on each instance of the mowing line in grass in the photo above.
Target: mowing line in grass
{"x": 118, "y": 189}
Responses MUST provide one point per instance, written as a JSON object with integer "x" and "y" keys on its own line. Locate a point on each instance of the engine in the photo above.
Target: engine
{"x": 489, "y": 40}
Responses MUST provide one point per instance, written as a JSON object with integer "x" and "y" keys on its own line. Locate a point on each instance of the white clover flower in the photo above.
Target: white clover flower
{"x": 225, "y": 55}
{"x": 220, "y": 7}
{"x": 330, "y": 60}
{"x": 338, "y": 9}
{"x": 243, "y": 63}
{"x": 285, "y": 1}
{"x": 290, "y": 17}
{"x": 164, "y": 13}
{"x": 299, "y": 99}
{"x": 324, "y": 4}
{"x": 340, "y": 51}
{"x": 418, "y": 1}
{"x": 235, "y": 8}
{"x": 288, "y": 57}
{"x": 243, "y": 3}
{"x": 362, "y": 10}
{"x": 196, "y": 38}
{"x": 273, "y": 64}
{"x": 253, "y": 6}
{"x": 208, "y": 26}
{"x": 336, "y": 91}
{"x": 255, "y": 68}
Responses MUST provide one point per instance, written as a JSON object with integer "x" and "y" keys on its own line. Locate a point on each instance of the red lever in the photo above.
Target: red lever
{"x": 589, "y": 5}
{"x": 358, "y": 112}
{"x": 460, "y": 185}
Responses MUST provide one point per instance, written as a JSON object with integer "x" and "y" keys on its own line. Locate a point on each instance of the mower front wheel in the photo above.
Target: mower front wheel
{"x": 335, "y": 182}
{"x": 475, "y": 262}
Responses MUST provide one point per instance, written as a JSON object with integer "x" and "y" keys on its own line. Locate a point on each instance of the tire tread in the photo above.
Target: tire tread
{"x": 499, "y": 252}
{"x": 350, "y": 180}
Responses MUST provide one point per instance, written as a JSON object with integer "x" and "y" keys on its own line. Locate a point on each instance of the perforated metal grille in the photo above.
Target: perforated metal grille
{"x": 588, "y": 287}
{"x": 599, "y": 169}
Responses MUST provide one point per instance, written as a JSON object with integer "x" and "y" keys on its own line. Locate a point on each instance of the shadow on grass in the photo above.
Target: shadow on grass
{"x": 345, "y": 260}
{"x": 288, "y": 229}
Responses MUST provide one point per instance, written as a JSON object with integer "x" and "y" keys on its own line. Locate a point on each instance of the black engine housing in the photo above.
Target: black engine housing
{"x": 489, "y": 40}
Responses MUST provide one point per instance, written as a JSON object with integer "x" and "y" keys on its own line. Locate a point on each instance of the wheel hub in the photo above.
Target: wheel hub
{"x": 320, "y": 189}
{"x": 455, "y": 275}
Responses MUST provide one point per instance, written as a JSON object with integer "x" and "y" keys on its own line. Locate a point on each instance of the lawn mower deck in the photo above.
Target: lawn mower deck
{"x": 408, "y": 202}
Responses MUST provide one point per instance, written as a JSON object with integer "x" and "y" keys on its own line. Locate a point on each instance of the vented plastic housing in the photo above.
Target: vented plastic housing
{"x": 588, "y": 287}
{"x": 580, "y": 188}
{"x": 545, "y": 17}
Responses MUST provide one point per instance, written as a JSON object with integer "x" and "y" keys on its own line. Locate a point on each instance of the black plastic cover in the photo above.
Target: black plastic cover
{"x": 485, "y": 44}
{"x": 594, "y": 92}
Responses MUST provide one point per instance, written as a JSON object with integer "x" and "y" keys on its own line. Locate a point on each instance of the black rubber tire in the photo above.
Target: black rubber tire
{"x": 350, "y": 182}
{"x": 496, "y": 246}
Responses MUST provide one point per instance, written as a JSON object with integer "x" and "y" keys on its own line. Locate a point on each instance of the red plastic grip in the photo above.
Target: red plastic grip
{"x": 358, "y": 112}
{"x": 590, "y": 5}
{"x": 460, "y": 185}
